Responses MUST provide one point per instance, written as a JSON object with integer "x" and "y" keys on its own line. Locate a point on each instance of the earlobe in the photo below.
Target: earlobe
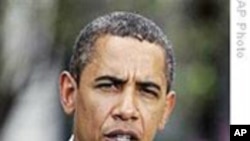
{"x": 68, "y": 91}
{"x": 169, "y": 106}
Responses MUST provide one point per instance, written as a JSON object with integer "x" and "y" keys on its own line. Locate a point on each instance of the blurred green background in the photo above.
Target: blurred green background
{"x": 35, "y": 45}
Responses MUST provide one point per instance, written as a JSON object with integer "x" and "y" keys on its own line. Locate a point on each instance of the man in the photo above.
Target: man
{"x": 118, "y": 87}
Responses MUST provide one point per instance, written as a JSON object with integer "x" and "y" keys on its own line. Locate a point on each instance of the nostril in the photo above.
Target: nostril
{"x": 121, "y": 117}
{"x": 134, "y": 118}
{"x": 125, "y": 116}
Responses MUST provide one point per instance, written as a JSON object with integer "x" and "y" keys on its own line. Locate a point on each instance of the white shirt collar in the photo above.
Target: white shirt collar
{"x": 71, "y": 138}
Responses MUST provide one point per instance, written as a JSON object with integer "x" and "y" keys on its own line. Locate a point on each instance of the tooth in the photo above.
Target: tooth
{"x": 123, "y": 138}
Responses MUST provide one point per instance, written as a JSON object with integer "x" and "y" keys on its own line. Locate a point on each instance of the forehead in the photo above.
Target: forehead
{"x": 126, "y": 56}
{"x": 115, "y": 46}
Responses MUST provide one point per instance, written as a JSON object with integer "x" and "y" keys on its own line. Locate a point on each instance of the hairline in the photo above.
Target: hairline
{"x": 83, "y": 48}
{"x": 91, "y": 55}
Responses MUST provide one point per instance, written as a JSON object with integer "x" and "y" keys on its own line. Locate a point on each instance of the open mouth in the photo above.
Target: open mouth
{"x": 119, "y": 135}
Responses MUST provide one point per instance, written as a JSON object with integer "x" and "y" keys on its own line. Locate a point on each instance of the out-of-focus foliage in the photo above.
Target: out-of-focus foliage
{"x": 199, "y": 31}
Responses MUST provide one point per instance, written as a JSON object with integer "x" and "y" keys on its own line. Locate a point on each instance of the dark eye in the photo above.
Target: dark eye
{"x": 149, "y": 92}
{"x": 108, "y": 83}
{"x": 107, "y": 86}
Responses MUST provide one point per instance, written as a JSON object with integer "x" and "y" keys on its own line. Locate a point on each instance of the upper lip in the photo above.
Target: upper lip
{"x": 132, "y": 133}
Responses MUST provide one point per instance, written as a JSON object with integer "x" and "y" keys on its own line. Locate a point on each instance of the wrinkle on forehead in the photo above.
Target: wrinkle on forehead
{"x": 129, "y": 58}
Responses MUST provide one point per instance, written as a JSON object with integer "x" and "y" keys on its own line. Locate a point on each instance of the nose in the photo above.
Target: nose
{"x": 126, "y": 108}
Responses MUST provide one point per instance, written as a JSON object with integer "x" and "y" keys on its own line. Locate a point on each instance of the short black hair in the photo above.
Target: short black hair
{"x": 123, "y": 24}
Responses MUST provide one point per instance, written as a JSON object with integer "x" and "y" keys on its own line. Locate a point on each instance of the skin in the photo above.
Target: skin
{"x": 123, "y": 87}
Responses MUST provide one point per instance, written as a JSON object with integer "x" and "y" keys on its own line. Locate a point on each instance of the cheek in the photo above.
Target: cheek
{"x": 93, "y": 109}
{"x": 151, "y": 117}
{"x": 91, "y": 112}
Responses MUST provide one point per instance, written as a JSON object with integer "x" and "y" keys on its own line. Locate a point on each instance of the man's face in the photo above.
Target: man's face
{"x": 122, "y": 92}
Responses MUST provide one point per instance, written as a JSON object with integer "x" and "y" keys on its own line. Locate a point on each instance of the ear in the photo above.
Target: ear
{"x": 68, "y": 91}
{"x": 169, "y": 106}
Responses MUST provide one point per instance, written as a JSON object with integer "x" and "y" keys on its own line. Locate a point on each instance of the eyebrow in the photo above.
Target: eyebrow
{"x": 149, "y": 84}
{"x": 122, "y": 81}
{"x": 111, "y": 78}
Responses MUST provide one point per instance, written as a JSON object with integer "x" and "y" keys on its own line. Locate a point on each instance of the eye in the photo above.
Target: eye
{"x": 107, "y": 86}
{"x": 149, "y": 92}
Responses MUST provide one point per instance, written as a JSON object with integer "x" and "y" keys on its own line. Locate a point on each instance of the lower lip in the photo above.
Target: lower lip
{"x": 109, "y": 139}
